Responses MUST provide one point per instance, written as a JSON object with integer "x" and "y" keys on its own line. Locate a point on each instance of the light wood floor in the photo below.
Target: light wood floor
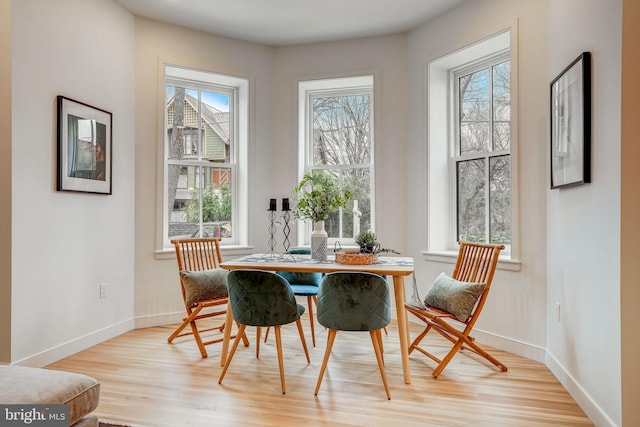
{"x": 146, "y": 381}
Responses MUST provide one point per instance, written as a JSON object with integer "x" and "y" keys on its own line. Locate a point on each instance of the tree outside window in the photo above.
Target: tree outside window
{"x": 341, "y": 143}
{"x": 482, "y": 160}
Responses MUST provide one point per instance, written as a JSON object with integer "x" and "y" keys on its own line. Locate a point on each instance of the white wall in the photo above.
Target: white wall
{"x": 157, "y": 296}
{"x": 514, "y": 315}
{"x": 65, "y": 244}
{"x": 583, "y": 223}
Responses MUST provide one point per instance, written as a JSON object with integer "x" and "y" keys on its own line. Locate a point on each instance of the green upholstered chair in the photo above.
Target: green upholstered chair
{"x": 262, "y": 299}
{"x": 354, "y": 301}
{"x": 304, "y": 284}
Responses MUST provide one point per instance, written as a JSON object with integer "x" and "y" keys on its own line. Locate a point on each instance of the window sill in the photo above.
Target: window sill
{"x": 449, "y": 257}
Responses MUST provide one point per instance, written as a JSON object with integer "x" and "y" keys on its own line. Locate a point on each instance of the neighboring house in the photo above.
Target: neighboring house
{"x": 214, "y": 130}
{"x": 214, "y": 134}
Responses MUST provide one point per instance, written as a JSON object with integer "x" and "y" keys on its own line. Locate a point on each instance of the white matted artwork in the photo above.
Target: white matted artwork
{"x": 84, "y": 147}
{"x": 571, "y": 124}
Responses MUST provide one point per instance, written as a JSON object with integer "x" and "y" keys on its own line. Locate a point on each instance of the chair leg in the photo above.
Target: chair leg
{"x": 313, "y": 332}
{"x": 381, "y": 345}
{"x": 474, "y": 347}
{"x": 196, "y": 335}
{"x": 376, "y": 337}
{"x": 244, "y": 337}
{"x": 304, "y": 342}
{"x": 258, "y": 334}
{"x": 241, "y": 329}
{"x": 194, "y": 330}
{"x": 330, "y": 340}
{"x": 280, "y": 358}
{"x": 184, "y": 324}
{"x": 443, "y": 364}
{"x": 266, "y": 334}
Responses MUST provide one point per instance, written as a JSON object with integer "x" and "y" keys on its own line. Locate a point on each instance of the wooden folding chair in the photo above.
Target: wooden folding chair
{"x": 476, "y": 263}
{"x": 198, "y": 254}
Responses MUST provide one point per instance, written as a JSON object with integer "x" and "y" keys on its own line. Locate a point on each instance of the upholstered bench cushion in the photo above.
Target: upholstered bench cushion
{"x": 23, "y": 385}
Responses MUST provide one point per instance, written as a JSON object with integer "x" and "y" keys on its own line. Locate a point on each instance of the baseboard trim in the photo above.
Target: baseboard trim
{"x": 578, "y": 393}
{"x": 530, "y": 351}
{"x": 159, "y": 320}
{"x": 76, "y": 345}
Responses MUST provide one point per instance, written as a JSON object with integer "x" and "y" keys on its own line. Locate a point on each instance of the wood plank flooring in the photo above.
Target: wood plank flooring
{"x": 146, "y": 381}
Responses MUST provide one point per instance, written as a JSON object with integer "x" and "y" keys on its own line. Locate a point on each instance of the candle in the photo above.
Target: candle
{"x": 285, "y": 204}
{"x": 272, "y": 205}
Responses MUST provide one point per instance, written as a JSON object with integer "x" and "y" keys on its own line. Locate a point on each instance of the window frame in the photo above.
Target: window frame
{"x": 327, "y": 87}
{"x": 237, "y": 88}
{"x": 487, "y": 62}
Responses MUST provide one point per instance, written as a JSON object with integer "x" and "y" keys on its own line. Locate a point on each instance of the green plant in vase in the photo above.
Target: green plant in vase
{"x": 317, "y": 196}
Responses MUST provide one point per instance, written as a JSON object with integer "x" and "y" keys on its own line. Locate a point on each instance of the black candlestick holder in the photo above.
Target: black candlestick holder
{"x": 286, "y": 229}
{"x": 272, "y": 230}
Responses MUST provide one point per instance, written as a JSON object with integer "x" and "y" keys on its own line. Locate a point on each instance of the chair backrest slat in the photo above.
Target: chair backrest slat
{"x": 196, "y": 254}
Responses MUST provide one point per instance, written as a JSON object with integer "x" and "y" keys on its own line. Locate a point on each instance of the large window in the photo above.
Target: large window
{"x": 471, "y": 136}
{"x": 482, "y": 157}
{"x": 203, "y": 189}
{"x": 336, "y": 117}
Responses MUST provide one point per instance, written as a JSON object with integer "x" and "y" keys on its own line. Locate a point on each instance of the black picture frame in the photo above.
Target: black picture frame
{"x": 570, "y": 109}
{"x": 84, "y": 147}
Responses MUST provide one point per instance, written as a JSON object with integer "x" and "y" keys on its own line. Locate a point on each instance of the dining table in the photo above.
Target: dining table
{"x": 395, "y": 266}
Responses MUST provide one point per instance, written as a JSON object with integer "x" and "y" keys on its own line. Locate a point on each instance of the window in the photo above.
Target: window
{"x": 336, "y": 117}
{"x": 205, "y": 132}
{"x": 482, "y": 159}
{"x": 471, "y": 136}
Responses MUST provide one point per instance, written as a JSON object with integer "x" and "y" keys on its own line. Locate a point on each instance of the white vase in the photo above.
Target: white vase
{"x": 318, "y": 242}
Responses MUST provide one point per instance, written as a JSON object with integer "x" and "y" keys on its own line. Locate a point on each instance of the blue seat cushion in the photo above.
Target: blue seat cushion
{"x": 299, "y": 278}
{"x": 304, "y": 290}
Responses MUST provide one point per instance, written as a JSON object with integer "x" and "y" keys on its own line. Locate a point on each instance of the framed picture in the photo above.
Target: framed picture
{"x": 84, "y": 147}
{"x": 571, "y": 124}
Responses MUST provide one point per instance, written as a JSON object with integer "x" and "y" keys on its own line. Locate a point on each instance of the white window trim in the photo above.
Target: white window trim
{"x": 441, "y": 245}
{"x": 307, "y": 88}
{"x": 239, "y": 152}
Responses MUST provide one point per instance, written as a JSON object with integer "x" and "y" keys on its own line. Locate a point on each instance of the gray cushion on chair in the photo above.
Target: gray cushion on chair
{"x": 204, "y": 285}
{"x": 454, "y": 296}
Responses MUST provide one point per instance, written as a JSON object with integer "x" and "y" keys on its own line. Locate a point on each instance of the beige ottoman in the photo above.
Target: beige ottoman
{"x": 22, "y": 385}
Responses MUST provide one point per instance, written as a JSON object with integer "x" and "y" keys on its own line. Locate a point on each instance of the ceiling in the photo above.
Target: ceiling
{"x": 287, "y": 22}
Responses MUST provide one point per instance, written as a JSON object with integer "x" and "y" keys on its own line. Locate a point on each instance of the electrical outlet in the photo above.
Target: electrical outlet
{"x": 557, "y": 311}
{"x": 104, "y": 287}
